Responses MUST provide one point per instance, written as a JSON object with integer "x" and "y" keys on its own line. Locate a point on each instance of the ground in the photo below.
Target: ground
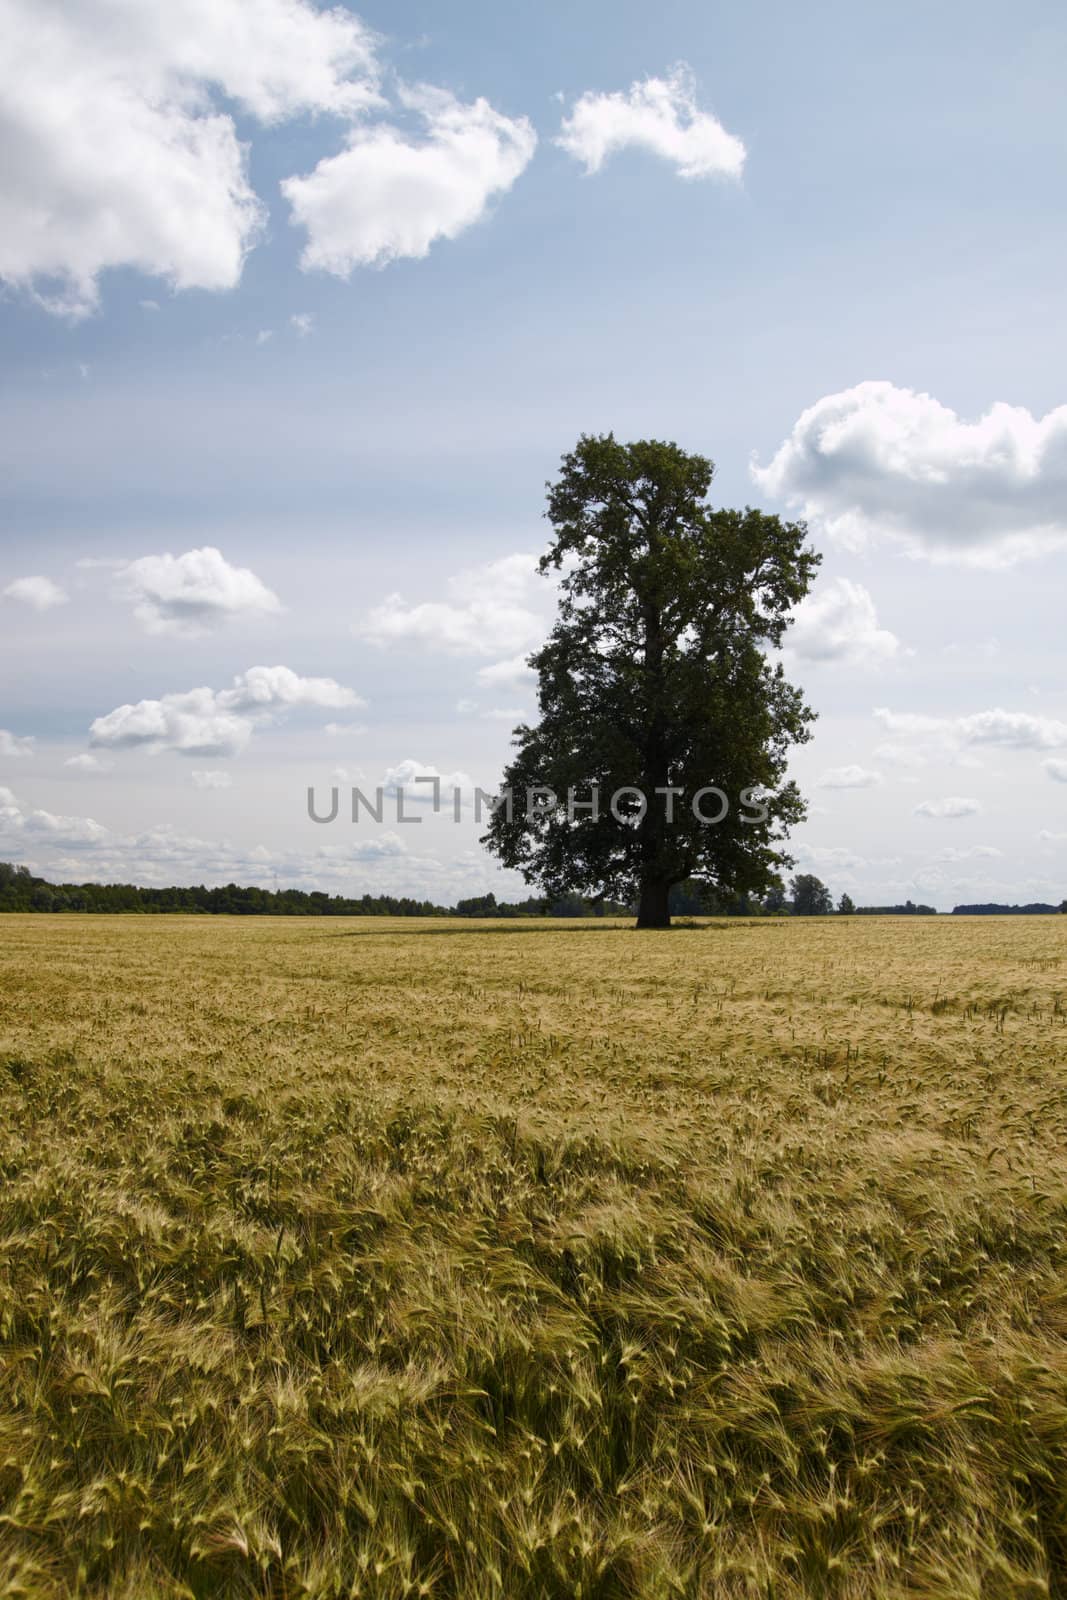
{"x": 390, "y": 1259}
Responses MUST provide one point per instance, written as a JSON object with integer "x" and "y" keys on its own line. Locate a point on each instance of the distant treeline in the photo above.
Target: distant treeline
{"x": 1037, "y": 909}
{"x": 908, "y": 909}
{"x": 21, "y": 891}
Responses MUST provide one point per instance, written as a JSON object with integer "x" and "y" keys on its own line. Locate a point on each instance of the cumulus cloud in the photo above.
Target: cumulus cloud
{"x": 39, "y": 592}
{"x": 422, "y": 782}
{"x": 385, "y": 846}
{"x": 512, "y": 673}
{"x": 829, "y": 856}
{"x": 487, "y": 610}
{"x": 20, "y": 826}
{"x": 660, "y": 115}
{"x": 838, "y": 623}
{"x": 303, "y": 323}
{"x": 951, "y": 807}
{"x": 210, "y": 722}
{"x": 193, "y": 724}
{"x": 120, "y": 153}
{"x": 87, "y": 762}
{"x": 388, "y": 195}
{"x": 81, "y": 849}
{"x": 974, "y": 852}
{"x": 188, "y": 593}
{"x": 1008, "y": 730}
{"x": 210, "y": 778}
{"x": 71, "y": 832}
{"x": 1056, "y": 770}
{"x": 13, "y": 748}
{"x": 879, "y": 462}
{"x": 851, "y": 777}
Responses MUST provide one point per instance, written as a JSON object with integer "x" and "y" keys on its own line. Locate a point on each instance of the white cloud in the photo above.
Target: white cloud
{"x": 1056, "y": 770}
{"x": 87, "y": 762}
{"x": 660, "y": 115}
{"x": 12, "y": 748}
{"x": 513, "y": 673}
{"x": 388, "y": 196}
{"x": 303, "y": 323}
{"x": 265, "y": 335}
{"x": 839, "y": 622}
{"x": 338, "y": 730}
{"x": 513, "y": 714}
{"x": 879, "y": 462}
{"x": 487, "y": 610}
{"x": 209, "y": 722}
{"x": 70, "y": 832}
{"x": 852, "y": 777}
{"x": 192, "y": 723}
{"x": 974, "y": 852}
{"x": 83, "y": 849}
{"x": 417, "y": 779}
{"x": 1009, "y": 730}
{"x": 210, "y": 778}
{"x": 951, "y": 807}
{"x": 18, "y": 825}
{"x": 1045, "y": 835}
{"x": 119, "y": 154}
{"x": 827, "y": 857}
{"x": 39, "y": 592}
{"x": 385, "y": 846}
{"x": 186, "y": 594}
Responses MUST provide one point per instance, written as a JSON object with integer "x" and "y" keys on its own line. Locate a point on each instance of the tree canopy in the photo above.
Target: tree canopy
{"x": 655, "y": 691}
{"x": 811, "y": 897}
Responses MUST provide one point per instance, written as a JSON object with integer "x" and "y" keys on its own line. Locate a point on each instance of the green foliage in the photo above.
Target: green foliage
{"x": 908, "y": 909}
{"x": 811, "y": 897}
{"x": 654, "y": 677}
{"x": 774, "y": 901}
{"x": 20, "y": 891}
{"x": 1038, "y": 908}
{"x": 846, "y": 906}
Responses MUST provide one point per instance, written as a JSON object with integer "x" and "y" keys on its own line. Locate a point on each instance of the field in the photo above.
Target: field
{"x": 383, "y": 1259}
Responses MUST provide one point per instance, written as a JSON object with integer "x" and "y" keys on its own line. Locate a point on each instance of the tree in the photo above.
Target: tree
{"x": 774, "y": 900}
{"x": 811, "y": 897}
{"x": 692, "y": 898}
{"x": 479, "y": 905}
{"x": 654, "y": 685}
{"x": 845, "y": 906}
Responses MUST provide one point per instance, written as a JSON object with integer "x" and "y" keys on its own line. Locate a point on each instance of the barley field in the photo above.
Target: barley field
{"x": 384, "y": 1259}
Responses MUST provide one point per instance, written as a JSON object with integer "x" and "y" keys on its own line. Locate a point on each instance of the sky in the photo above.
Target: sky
{"x": 300, "y": 308}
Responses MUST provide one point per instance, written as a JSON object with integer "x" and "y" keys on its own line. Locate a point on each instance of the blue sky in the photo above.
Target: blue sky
{"x": 869, "y": 305}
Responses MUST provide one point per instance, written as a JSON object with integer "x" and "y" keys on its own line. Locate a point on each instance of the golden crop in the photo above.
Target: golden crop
{"x": 537, "y": 1262}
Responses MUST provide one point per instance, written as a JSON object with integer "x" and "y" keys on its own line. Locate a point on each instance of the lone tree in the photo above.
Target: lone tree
{"x": 811, "y": 897}
{"x": 846, "y": 906}
{"x": 654, "y": 686}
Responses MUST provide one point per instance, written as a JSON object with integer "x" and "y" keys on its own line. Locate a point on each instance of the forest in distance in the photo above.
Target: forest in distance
{"x": 21, "y": 891}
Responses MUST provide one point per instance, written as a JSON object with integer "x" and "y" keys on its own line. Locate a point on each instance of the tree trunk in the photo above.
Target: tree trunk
{"x": 653, "y": 908}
